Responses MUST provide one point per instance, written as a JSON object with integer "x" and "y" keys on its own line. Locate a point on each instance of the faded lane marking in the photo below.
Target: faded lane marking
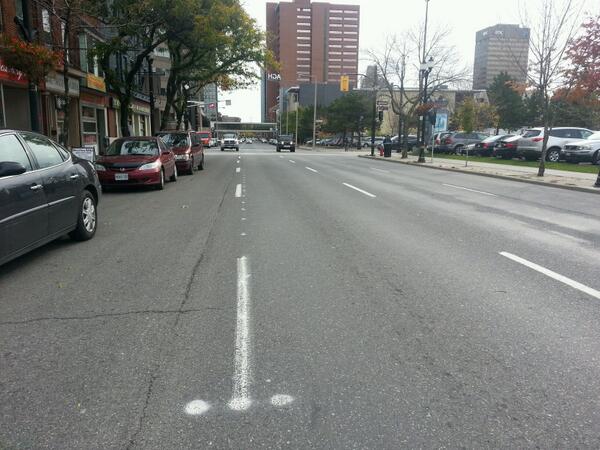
{"x": 238, "y": 191}
{"x": 311, "y": 169}
{"x": 470, "y": 190}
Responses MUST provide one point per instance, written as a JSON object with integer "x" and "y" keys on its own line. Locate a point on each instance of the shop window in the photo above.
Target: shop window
{"x": 83, "y": 59}
{"x": 46, "y": 20}
{"x": 89, "y": 127}
{"x": 142, "y": 126}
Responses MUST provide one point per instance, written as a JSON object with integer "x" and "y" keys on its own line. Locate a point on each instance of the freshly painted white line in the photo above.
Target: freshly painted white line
{"x": 292, "y": 161}
{"x": 241, "y": 379}
{"x": 312, "y": 170}
{"x": 281, "y": 156}
{"x": 197, "y": 407}
{"x": 238, "y": 161}
{"x": 238, "y": 170}
{"x": 470, "y": 190}
{"x": 569, "y": 282}
{"x": 380, "y": 170}
{"x": 360, "y": 190}
{"x": 238, "y": 191}
{"x": 243, "y": 218}
{"x": 281, "y": 400}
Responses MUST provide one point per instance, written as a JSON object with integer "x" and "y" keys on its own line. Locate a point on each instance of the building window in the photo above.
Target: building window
{"x": 335, "y": 24}
{"x": 350, "y": 25}
{"x": 303, "y": 45}
{"x": 336, "y": 11}
{"x": 335, "y": 53}
{"x": 335, "y": 32}
{"x": 335, "y": 18}
{"x": 350, "y": 32}
{"x": 46, "y": 20}
{"x": 83, "y": 59}
{"x": 303, "y": 31}
{"x": 354, "y": 19}
{"x": 350, "y": 11}
{"x": 303, "y": 52}
{"x": 303, "y": 17}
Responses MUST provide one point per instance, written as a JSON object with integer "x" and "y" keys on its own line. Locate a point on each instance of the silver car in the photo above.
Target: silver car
{"x": 583, "y": 150}
{"x": 530, "y": 144}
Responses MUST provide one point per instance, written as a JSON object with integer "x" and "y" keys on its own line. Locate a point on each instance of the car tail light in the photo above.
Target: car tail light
{"x": 485, "y": 145}
{"x": 510, "y": 145}
{"x": 448, "y": 141}
{"x": 537, "y": 139}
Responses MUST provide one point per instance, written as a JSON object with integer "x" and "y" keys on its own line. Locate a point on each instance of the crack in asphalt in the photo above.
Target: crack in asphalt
{"x": 180, "y": 311}
{"x": 104, "y": 315}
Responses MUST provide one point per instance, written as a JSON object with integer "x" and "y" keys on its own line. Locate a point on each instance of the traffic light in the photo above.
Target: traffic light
{"x": 344, "y": 83}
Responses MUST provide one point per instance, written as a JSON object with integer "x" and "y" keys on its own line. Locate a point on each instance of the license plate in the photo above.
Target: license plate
{"x": 121, "y": 176}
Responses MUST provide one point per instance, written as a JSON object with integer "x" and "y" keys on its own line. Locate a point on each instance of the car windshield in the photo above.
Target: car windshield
{"x": 229, "y": 136}
{"x": 594, "y": 137}
{"x": 204, "y": 134}
{"x": 285, "y": 137}
{"x": 531, "y": 133}
{"x": 125, "y": 147}
{"x": 175, "y": 139}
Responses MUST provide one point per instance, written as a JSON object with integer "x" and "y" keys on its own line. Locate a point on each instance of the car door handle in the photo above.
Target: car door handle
{"x": 36, "y": 187}
{"x": 74, "y": 176}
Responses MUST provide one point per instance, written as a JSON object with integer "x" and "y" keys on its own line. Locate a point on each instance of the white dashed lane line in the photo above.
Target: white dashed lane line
{"x": 238, "y": 191}
{"x": 549, "y": 273}
{"x": 292, "y": 161}
{"x": 311, "y": 169}
{"x": 368, "y": 194}
{"x": 470, "y": 190}
{"x": 380, "y": 170}
{"x": 238, "y": 170}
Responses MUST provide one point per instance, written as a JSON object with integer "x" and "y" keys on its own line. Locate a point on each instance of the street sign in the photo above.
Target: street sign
{"x": 383, "y": 108}
{"x": 382, "y": 103}
{"x": 441, "y": 122}
{"x": 274, "y": 77}
{"x": 84, "y": 152}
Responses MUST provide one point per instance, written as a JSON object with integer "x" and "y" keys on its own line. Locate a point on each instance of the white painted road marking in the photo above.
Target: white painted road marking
{"x": 281, "y": 156}
{"x": 241, "y": 379}
{"x": 470, "y": 190}
{"x": 360, "y": 190}
{"x": 292, "y": 161}
{"x": 197, "y": 407}
{"x": 238, "y": 191}
{"x": 312, "y": 170}
{"x": 569, "y": 282}
{"x": 380, "y": 170}
{"x": 281, "y": 400}
{"x": 238, "y": 170}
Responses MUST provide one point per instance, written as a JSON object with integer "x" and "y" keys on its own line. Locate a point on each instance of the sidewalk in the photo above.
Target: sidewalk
{"x": 576, "y": 181}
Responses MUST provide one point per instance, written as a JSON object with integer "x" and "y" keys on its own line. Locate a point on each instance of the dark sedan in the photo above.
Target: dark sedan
{"x": 45, "y": 193}
{"x": 506, "y": 148}
{"x": 487, "y": 146}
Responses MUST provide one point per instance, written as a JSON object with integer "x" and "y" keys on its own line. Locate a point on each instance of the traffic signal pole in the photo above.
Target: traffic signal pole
{"x": 374, "y": 118}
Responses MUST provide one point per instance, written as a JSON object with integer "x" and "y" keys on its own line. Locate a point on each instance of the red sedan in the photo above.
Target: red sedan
{"x": 188, "y": 149}
{"x": 137, "y": 161}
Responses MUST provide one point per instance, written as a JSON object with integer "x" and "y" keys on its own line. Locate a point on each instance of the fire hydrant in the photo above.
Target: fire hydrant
{"x": 381, "y": 150}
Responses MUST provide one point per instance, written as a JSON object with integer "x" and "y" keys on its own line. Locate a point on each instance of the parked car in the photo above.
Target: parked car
{"x": 455, "y": 142}
{"x": 205, "y": 138}
{"x": 273, "y": 141}
{"x": 583, "y": 150}
{"x": 230, "y": 140}
{"x": 286, "y": 141}
{"x": 188, "y": 149}
{"x": 411, "y": 142}
{"x": 213, "y": 142}
{"x": 45, "y": 193}
{"x": 438, "y": 138}
{"x": 487, "y": 146}
{"x": 530, "y": 144}
{"x": 506, "y": 148}
{"x": 137, "y": 161}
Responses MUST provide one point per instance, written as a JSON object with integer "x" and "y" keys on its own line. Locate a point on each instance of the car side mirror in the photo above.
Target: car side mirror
{"x": 8, "y": 168}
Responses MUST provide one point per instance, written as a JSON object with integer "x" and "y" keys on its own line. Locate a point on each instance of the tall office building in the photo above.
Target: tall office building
{"x": 312, "y": 42}
{"x": 210, "y": 96}
{"x": 501, "y": 48}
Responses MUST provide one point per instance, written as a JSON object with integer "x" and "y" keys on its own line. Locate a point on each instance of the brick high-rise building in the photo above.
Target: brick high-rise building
{"x": 501, "y": 48}
{"x": 312, "y": 42}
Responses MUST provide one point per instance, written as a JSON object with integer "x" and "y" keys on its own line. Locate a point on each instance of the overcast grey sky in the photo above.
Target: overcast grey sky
{"x": 380, "y": 18}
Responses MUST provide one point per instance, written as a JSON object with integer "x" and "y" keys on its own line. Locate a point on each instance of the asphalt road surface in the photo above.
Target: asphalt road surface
{"x": 304, "y": 300}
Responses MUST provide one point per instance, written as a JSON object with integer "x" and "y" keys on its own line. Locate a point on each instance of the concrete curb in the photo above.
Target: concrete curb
{"x": 590, "y": 190}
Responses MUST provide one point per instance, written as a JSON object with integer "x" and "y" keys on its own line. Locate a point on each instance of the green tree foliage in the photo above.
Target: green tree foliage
{"x": 508, "y": 102}
{"x": 348, "y": 114}
{"x": 466, "y": 115}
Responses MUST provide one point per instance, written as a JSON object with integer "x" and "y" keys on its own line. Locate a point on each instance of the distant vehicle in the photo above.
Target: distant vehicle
{"x": 286, "y": 141}
{"x": 205, "y": 137}
{"x": 506, "y": 148}
{"x": 273, "y": 141}
{"x": 230, "y": 140}
{"x": 213, "y": 142}
{"x": 249, "y": 141}
{"x": 137, "y": 161}
{"x": 530, "y": 144}
{"x": 188, "y": 149}
{"x": 583, "y": 150}
{"x": 487, "y": 146}
{"x": 45, "y": 193}
{"x": 411, "y": 142}
{"x": 455, "y": 142}
{"x": 438, "y": 138}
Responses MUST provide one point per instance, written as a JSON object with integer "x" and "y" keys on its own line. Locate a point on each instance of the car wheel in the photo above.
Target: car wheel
{"x": 161, "y": 183}
{"x": 237, "y": 149}
{"x": 222, "y": 149}
{"x": 596, "y": 158}
{"x": 174, "y": 176}
{"x": 87, "y": 219}
{"x": 201, "y": 165}
{"x": 293, "y": 149}
{"x": 458, "y": 150}
{"x": 553, "y": 155}
{"x": 279, "y": 150}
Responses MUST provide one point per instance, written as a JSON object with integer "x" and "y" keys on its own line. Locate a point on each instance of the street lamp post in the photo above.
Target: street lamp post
{"x": 423, "y": 77}
{"x": 426, "y": 68}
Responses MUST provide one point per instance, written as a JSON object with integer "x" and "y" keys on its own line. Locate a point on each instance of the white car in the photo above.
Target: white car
{"x": 530, "y": 144}
{"x": 230, "y": 140}
{"x": 583, "y": 150}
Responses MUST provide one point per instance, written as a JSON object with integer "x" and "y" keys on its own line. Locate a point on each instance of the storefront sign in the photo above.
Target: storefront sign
{"x": 94, "y": 82}
{"x": 85, "y": 153}
{"x": 56, "y": 83}
{"x": 139, "y": 109}
{"x": 11, "y": 74}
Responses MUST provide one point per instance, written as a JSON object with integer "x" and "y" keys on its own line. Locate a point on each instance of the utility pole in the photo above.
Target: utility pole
{"x": 374, "y": 118}
{"x": 314, "y": 116}
{"x": 401, "y": 124}
{"x": 297, "y": 111}
{"x": 33, "y": 90}
{"x": 424, "y": 83}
